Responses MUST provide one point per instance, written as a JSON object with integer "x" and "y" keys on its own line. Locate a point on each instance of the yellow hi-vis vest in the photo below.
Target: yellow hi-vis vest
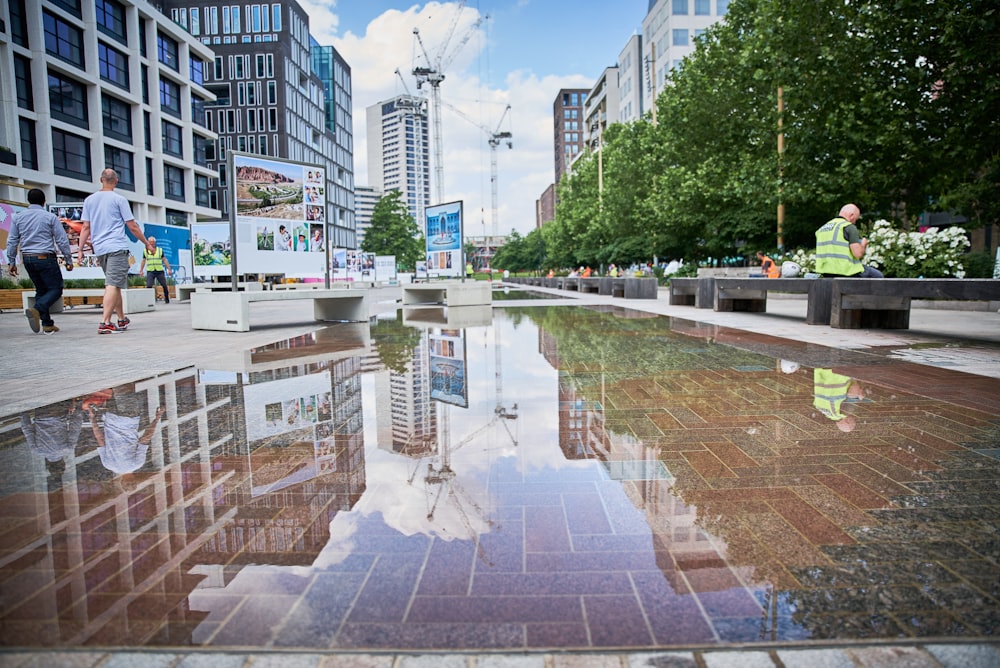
{"x": 829, "y": 392}
{"x": 154, "y": 261}
{"x": 833, "y": 253}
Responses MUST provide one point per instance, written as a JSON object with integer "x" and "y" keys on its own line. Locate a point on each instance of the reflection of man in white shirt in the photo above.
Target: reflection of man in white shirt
{"x": 120, "y": 444}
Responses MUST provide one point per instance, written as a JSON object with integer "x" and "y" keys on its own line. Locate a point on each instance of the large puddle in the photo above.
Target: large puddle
{"x": 538, "y": 477}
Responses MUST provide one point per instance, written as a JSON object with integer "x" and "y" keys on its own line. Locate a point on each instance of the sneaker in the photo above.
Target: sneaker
{"x": 34, "y": 319}
{"x": 106, "y": 328}
{"x": 49, "y": 329}
{"x": 123, "y": 324}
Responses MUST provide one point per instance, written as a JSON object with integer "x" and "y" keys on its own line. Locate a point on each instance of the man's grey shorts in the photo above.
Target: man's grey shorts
{"x": 115, "y": 266}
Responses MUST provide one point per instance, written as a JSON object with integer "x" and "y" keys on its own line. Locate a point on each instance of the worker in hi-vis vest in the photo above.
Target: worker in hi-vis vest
{"x": 156, "y": 267}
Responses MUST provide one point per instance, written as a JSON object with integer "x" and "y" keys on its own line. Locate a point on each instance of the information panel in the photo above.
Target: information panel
{"x": 443, "y": 231}
{"x": 280, "y": 211}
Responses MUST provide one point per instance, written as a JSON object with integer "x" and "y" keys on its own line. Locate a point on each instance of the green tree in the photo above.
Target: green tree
{"x": 394, "y": 232}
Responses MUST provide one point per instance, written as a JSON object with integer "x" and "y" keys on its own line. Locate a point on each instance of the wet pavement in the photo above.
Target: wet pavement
{"x": 581, "y": 480}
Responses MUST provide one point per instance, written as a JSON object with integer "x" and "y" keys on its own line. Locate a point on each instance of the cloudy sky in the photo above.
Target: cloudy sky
{"x": 521, "y": 54}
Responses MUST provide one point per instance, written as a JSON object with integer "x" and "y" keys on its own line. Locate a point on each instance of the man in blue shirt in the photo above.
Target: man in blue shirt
{"x": 40, "y": 234}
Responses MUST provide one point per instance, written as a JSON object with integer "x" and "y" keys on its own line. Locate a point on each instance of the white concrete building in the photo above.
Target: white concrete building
{"x": 89, "y": 84}
{"x": 365, "y": 199}
{"x": 399, "y": 150}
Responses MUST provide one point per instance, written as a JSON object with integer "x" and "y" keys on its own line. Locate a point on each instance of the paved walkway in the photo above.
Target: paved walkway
{"x": 39, "y": 369}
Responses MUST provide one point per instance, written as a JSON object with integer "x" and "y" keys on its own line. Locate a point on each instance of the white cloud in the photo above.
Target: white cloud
{"x": 388, "y": 43}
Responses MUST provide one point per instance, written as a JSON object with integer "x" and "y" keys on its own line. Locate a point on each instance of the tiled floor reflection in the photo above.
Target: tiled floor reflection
{"x": 562, "y": 478}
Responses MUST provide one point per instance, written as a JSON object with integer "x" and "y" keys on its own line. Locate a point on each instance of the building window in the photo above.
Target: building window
{"x": 114, "y": 65}
{"x": 173, "y": 182}
{"x": 173, "y": 143}
{"x": 201, "y": 190}
{"x": 111, "y": 19}
{"x": 259, "y": 60}
{"x": 29, "y": 145}
{"x": 198, "y": 110}
{"x": 63, "y": 40}
{"x": 19, "y": 24}
{"x": 200, "y": 152}
{"x": 68, "y": 100}
{"x": 178, "y": 218}
{"x": 195, "y": 21}
{"x": 236, "y": 20}
{"x": 120, "y": 161}
{"x": 721, "y": 7}
{"x": 70, "y": 155}
{"x": 276, "y": 17}
{"x": 170, "y": 97}
{"x": 272, "y": 92}
{"x": 149, "y": 177}
{"x": 680, "y": 37}
{"x": 702, "y": 7}
{"x": 166, "y": 51}
{"x": 146, "y": 129}
{"x": 117, "y": 117}
{"x": 680, "y": 7}
{"x": 197, "y": 70}
{"x": 22, "y": 81}
{"x": 71, "y": 6}
{"x": 222, "y": 175}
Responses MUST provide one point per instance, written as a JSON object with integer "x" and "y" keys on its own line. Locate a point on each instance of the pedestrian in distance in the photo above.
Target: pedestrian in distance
{"x": 106, "y": 216}
{"x": 840, "y": 248}
{"x": 40, "y": 236}
{"x": 157, "y": 268}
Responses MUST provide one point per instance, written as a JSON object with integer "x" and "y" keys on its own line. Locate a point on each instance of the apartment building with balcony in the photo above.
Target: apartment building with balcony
{"x": 89, "y": 84}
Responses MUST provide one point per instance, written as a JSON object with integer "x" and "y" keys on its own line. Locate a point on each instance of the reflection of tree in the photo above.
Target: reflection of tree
{"x": 395, "y": 342}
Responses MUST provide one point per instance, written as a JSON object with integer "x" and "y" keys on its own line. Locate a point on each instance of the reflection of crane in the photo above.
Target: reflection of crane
{"x": 494, "y": 138}
{"x": 433, "y": 73}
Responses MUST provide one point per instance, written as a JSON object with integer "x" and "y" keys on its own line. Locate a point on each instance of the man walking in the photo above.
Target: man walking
{"x": 40, "y": 234}
{"x": 106, "y": 215}
{"x": 153, "y": 263}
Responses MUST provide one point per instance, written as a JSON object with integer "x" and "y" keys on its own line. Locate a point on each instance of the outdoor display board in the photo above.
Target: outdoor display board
{"x": 7, "y": 212}
{"x": 71, "y": 213}
{"x": 351, "y": 265}
{"x": 279, "y": 209}
{"x": 211, "y": 249}
{"x": 448, "y": 367}
{"x": 443, "y": 226}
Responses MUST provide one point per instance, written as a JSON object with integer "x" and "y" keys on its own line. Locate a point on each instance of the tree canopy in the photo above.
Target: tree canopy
{"x": 393, "y": 231}
{"x": 889, "y": 104}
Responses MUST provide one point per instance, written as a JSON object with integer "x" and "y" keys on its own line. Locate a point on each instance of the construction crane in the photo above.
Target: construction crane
{"x": 494, "y": 138}
{"x": 433, "y": 74}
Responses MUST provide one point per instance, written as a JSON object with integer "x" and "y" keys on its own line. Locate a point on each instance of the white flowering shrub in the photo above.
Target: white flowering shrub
{"x": 931, "y": 254}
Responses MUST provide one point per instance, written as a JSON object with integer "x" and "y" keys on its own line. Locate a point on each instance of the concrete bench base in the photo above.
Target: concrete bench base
{"x": 450, "y": 293}
{"x": 230, "y": 311}
{"x": 635, "y": 288}
{"x": 134, "y": 300}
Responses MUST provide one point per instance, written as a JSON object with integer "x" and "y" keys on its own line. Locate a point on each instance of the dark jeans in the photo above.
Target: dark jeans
{"x": 161, "y": 278}
{"x": 48, "y": 280}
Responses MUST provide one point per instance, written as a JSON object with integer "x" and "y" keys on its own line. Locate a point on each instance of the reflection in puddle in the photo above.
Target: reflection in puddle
{"x": 557, "y": 477}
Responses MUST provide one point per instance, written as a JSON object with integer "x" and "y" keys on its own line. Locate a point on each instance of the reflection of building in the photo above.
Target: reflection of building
{"x": 399, "y": 151}
{"x": 410, "y": 426}
{"x": 98, "y": 553}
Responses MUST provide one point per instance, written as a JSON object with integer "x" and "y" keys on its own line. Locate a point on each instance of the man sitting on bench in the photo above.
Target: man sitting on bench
{"x": 839, "y": 247}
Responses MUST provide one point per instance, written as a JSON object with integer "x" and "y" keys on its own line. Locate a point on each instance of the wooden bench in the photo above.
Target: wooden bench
{"x": 697, "y": 292}
{"x": 635, "y": 288}
{"x": 750, "y": 295}
{"x": 134, "y": 300}
{"x": 230, "y": 311}
{"x": 884, "y": 303}
{"x": 450, "y": 293}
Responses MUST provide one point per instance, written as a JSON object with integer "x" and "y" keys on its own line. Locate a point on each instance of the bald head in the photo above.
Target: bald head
{"x": 850, "y": 213}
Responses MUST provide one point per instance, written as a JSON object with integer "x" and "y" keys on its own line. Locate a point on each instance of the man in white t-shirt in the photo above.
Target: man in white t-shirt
{"x": 106, "y": 215}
